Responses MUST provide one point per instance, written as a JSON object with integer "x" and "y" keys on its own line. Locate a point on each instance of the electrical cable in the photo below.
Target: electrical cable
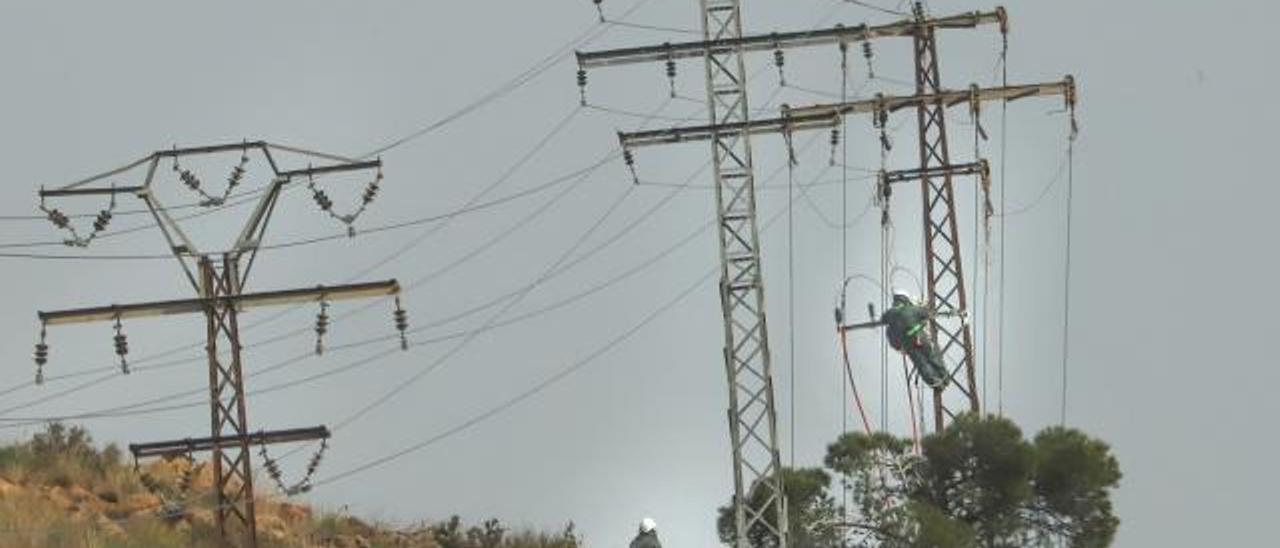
{"x": 126, "y": 409}
{"x": 586, "y": 37}
{"x": 1066, "y": 289}
{"x": 1004, "y": 194}
{"x": 536, "y": 389}
{"x": 581, "y": 174}
{"x": 874, "y": 7}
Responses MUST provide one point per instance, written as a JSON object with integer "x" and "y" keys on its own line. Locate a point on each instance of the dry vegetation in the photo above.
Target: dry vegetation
{"x": 59, "y": 490}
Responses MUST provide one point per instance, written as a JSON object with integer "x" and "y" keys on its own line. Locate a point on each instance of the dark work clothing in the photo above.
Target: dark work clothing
{"x": 907, "y": 327}
{"x": 646, "y": 540}
{"x": 900, "y": 321}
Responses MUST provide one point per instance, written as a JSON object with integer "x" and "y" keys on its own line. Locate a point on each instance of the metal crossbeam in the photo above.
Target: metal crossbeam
{"x": 242, "y": 302}
{"x": 731, "y": 44}
{"x": 826, "y": 116}
{"x": 191, "y": 445}
{"x": 904, "y": 175}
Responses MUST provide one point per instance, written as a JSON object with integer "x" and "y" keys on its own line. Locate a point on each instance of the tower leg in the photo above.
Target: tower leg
{"x": 232, "y": 470}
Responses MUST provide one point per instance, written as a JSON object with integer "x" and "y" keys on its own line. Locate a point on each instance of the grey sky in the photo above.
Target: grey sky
{"x": 1169, "y": 311}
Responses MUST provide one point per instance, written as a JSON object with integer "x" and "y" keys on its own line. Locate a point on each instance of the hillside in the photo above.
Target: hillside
{"x": 58, "y": 489}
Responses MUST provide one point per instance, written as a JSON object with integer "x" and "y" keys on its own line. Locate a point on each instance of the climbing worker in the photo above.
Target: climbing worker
{"x": 906, "y": 325}
{"x": 648, "y": 535}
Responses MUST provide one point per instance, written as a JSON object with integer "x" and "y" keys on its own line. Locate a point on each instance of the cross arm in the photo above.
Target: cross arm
{"x": 191, "y": 445}
{"x": 785, "y": 40}
{"x": 863, "y": 325}
{"x": 980, "y": 168}
{"x": 248, "y": 300}
{"x": 828, "y": 115}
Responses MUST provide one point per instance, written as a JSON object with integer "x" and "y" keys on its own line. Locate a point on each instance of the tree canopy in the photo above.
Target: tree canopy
{"x": 978, "y": 483}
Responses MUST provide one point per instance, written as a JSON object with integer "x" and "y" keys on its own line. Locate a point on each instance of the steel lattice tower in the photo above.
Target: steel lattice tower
{"x": 752, "y": 415}
{"x": 943, "y": 266}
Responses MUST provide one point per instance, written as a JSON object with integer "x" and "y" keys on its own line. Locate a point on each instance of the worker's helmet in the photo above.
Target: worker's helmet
{"x": 902, "y": 296}
{"x": 647, "y": 525}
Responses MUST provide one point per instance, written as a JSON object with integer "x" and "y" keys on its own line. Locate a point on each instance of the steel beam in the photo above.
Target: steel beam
{"x": 356, "y": 166}
{"x": 980, "y": 168}
{"x": 242, "y": 302}
{"x": 782, "y": 40}
{"x": 191, "y": 445}
{"x": 89, "y": 191}
{"x": 826, "y": 116}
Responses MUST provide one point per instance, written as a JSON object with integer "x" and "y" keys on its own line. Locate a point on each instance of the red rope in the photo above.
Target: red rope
{"x": 911, "y": 403}
{"x": 848, "y": 367}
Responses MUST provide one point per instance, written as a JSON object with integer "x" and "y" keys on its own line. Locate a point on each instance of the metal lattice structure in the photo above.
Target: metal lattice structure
{"x": 232, "y": 472}
{"x": 752, "y": 416}
{"x": 219, "y": 280}
{"x": 943, "y": 265}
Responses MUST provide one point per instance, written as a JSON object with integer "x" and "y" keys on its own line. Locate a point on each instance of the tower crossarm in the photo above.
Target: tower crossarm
{"x": 190, "y": 445}
{"x": 980, "y": 168}
{"x": 785, "y": 40}
{"x": 247, "y": 300}
{"x": 825, "y": 116}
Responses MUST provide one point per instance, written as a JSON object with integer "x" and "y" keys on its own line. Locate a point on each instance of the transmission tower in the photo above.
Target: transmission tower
{"x": 218, "y": 280}
{"x": 752, "y": 421}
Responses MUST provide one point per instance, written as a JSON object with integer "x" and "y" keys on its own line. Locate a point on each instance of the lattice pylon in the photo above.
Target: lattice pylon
{"x": 943, "y": 265}
{"x": 752, "y": 414}
{"x": 232, "y": 470}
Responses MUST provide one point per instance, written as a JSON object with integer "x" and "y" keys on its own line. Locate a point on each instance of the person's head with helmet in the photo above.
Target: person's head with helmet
{"x": 647, "y": 525}
{"x": 647, "y": 537}
{"x": 902, "y": 297}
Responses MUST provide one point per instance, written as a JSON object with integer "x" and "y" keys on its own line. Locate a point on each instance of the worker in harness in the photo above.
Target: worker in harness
{"x": 906, "y": 325}
{"x": 647, "y": 537}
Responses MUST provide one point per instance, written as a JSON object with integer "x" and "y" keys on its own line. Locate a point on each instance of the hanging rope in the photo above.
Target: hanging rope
{"x": 1004, "y": 194}
{"x": 844, "y": 246}
{"x": 1066, "y": 289}
{"x": 884, "y": 194}
{"x": 911, "y": 404}
{"x": 791, "y": 272}
{"x": 853, "y": 384}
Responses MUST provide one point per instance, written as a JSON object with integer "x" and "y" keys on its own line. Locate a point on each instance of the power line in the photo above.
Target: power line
{"x": 536, "y": 389}
{"x": 538, "y": 68}
{"x": 133, "y": 409}
{"x": 512, "y": 402}
{"x": 1066, "y": 289}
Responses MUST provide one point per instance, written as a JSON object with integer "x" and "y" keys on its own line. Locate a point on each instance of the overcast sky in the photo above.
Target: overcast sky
{"x": 1170, "y": 317}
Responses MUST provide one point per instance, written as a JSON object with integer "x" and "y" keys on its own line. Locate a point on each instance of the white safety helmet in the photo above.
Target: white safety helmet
{"x": 902, "y": 293}
{"x": 647, "y": 525}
